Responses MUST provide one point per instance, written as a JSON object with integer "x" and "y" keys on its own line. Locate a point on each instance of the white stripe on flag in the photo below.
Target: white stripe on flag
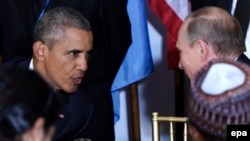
{"x": 180, "y": 7}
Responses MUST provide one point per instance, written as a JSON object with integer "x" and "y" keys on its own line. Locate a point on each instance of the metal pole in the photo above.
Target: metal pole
{"x": 135, "y": 113}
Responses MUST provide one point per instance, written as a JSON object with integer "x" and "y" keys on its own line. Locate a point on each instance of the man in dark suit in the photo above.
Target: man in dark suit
{"x": 62, "y": 41}
{"x": 111, "y": 31}
{"x": 206, "y": 34}
{"x": 226, "y": 5}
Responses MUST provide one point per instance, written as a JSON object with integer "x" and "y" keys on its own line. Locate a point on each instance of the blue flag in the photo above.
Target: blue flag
{"x": 137, "y": 63}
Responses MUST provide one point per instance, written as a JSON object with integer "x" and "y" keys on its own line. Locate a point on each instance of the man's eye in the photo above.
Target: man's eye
{"x": 74, "y": 53}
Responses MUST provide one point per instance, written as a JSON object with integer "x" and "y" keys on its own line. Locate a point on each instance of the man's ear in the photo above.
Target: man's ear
{"x": 202, "y": 49}
{"x": 39, "y": 50}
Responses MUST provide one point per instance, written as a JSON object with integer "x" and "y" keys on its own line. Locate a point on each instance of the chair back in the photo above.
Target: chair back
{"x": 156, "y": 120}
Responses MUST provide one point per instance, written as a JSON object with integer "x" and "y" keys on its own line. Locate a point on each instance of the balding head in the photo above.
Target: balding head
{"x": 208, "y": 33}
{"x": 217, "y": 27}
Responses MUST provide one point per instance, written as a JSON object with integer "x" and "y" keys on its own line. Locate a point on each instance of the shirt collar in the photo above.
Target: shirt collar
{"x": 31, "y": 66}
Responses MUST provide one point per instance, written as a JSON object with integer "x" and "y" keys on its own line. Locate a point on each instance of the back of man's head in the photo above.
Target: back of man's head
{"x": 218, "y": 28}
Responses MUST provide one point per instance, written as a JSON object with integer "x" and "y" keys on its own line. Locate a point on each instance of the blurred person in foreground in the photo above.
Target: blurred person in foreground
{"x": 208, "y": 33}
{"x": 62, "y": 41}
{"x": 28, "y": 107}
{"x": 220, "y": 97}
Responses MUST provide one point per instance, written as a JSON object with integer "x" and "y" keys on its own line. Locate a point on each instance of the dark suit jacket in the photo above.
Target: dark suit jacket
{"x": 244, "y": 59}
{"x": 111, "y": 30}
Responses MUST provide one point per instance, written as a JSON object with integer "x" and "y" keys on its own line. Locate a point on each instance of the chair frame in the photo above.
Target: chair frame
{"x": 156, "y": 119}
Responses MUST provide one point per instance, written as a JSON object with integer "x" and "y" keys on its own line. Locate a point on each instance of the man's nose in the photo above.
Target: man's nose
{"x": 82, "y": 63}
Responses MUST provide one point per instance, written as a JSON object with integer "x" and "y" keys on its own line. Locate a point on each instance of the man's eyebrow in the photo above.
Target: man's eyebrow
{"x": 75, "y": 51}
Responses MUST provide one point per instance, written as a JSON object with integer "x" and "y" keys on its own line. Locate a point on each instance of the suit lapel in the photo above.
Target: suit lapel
{"x": 244, "y": 59}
